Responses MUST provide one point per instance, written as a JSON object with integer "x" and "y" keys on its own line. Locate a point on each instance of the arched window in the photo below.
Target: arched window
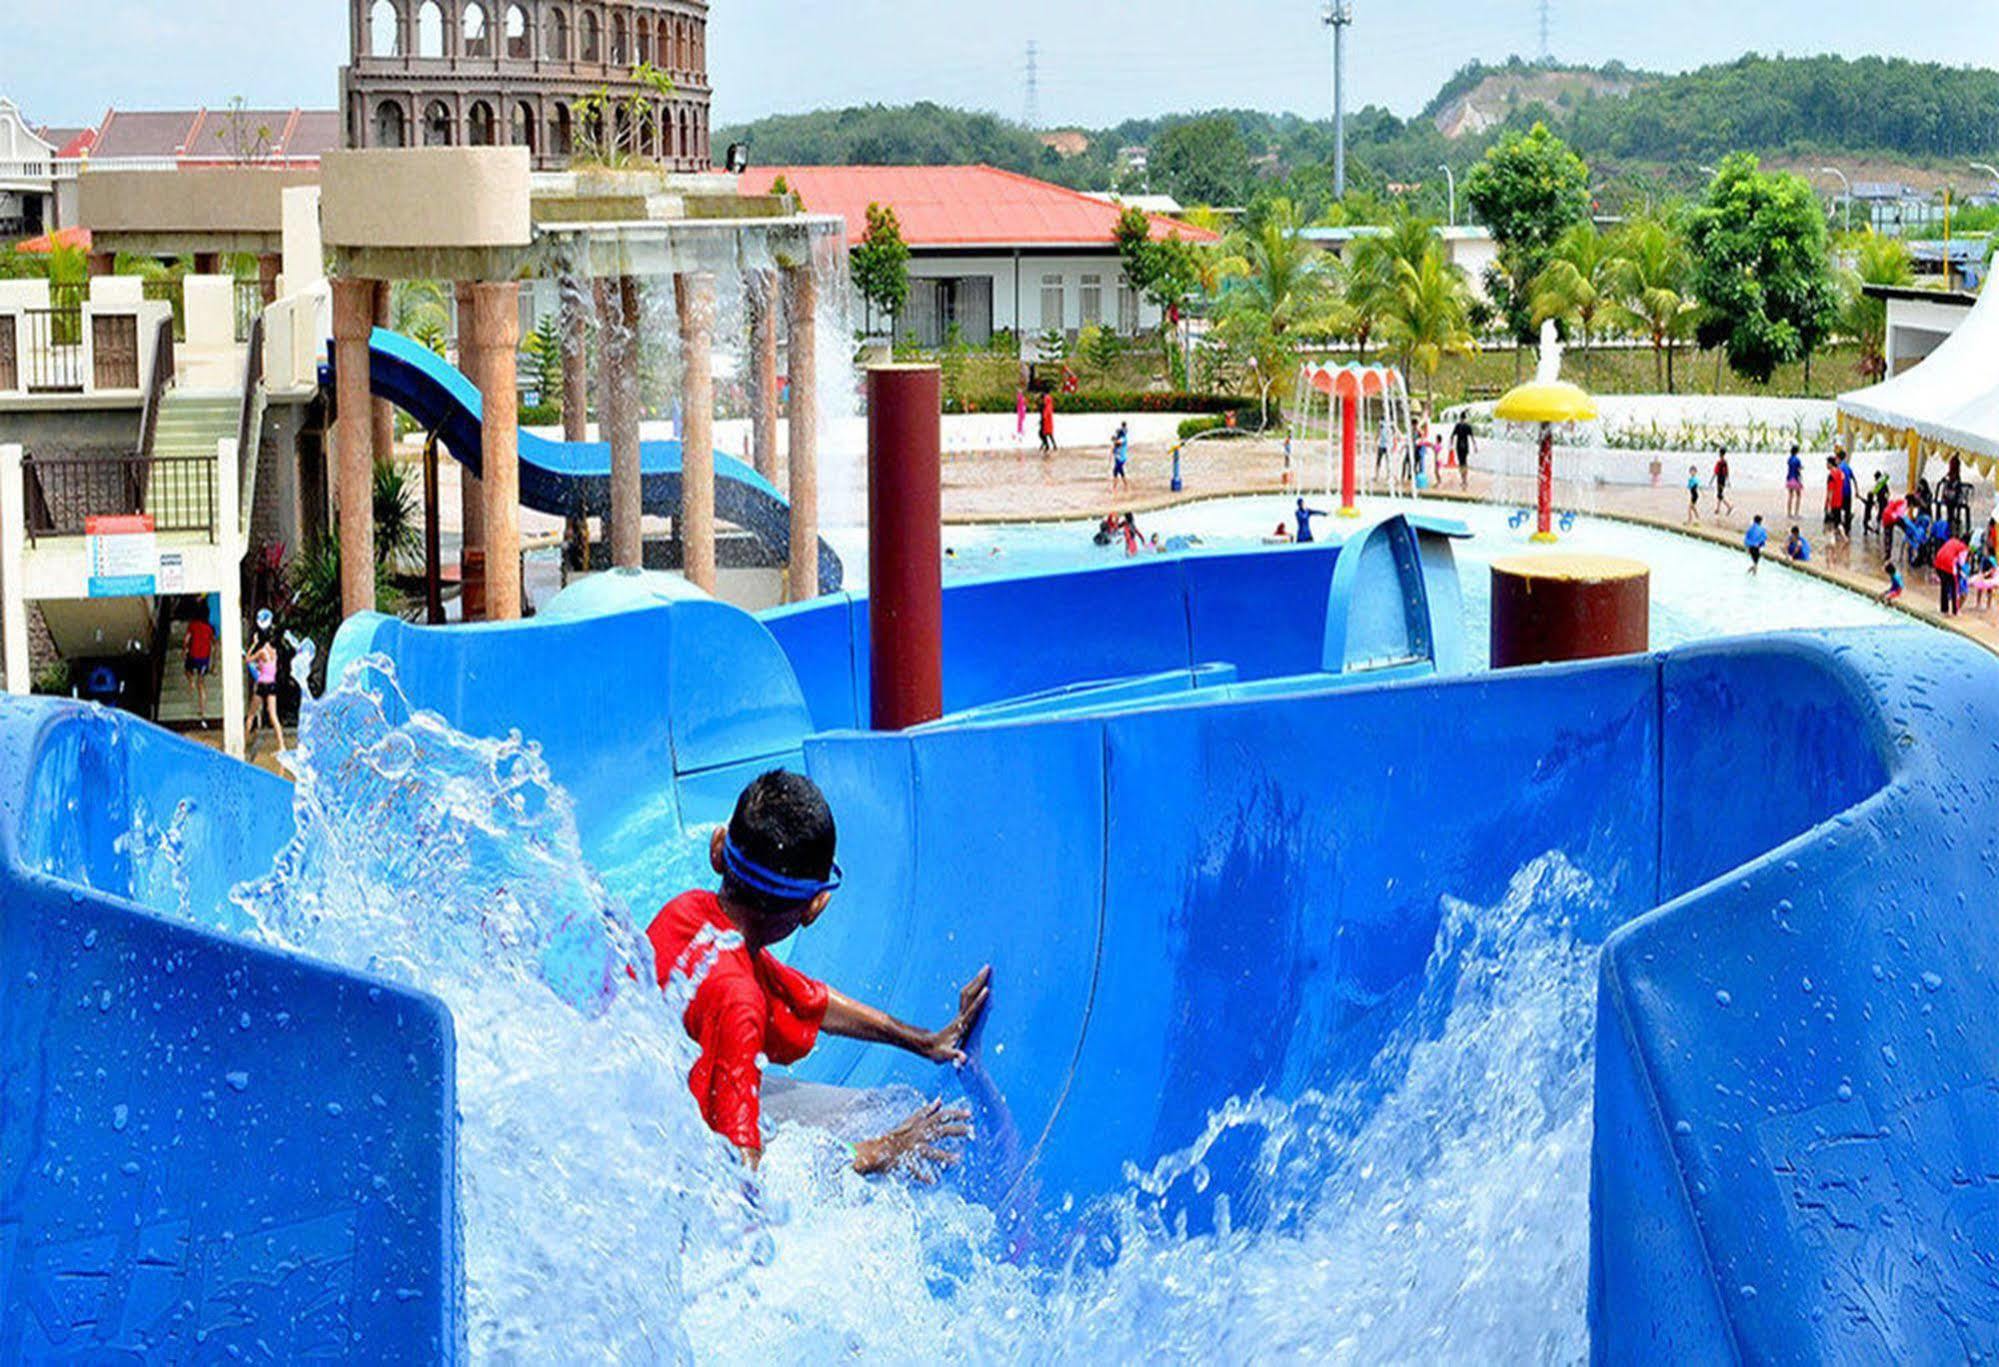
{"x": 685, "y": 148}
{"x": 555, "y": 42}
{"x": 561, "y": 132}
{"x": 648, "y": 135}
{"x": 391, "y": 130}
{"x": 641, "y": 41}
{"x": 621, "y": 40}
{"x": 480, "y": 130}
{"x": 593, "y": 128}
{"x": 673, "y": 62}
{"x": 590, "y": 47}
{"x": 520, "y": 37}
{"x": 478, "y": 36}
{"x": 385, "y": 30}
{"x": 430, "y": 30}
{"x": 437, "y": 124}
{"x": 623, "y": 125}
{"x": 524, "y": 127}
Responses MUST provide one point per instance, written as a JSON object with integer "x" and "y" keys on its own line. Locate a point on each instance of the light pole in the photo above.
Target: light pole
{"x": 1338, "y": 15}
{"x": 1988, "y": 170}
{"x": 1452, "y": 178}
{"x": 1847, "y": 185}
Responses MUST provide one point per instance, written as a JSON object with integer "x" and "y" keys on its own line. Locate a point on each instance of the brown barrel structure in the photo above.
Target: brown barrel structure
{"x": 1548, "y": 608}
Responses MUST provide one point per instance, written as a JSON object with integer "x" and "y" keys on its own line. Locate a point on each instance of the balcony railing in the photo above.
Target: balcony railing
{"x": 177, "y": 492}
{"x": 51, "y": 351}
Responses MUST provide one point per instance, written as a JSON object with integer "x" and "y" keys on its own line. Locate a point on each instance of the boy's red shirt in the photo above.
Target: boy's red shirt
{"x": 749, "y": 1004}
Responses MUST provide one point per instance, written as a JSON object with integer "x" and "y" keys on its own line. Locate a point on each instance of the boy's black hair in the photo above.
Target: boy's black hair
{"x": 783, "y": 823}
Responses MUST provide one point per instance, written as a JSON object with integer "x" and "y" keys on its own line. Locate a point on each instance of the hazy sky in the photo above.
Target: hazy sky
{"x": 1100, "y": 60}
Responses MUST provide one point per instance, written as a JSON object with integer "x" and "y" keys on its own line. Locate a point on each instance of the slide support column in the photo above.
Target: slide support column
{"x": 802, "y": 308}
{"x": 353, "y": 323}
{"x": 695, "y": 295}
{"x": 496, "y": 332}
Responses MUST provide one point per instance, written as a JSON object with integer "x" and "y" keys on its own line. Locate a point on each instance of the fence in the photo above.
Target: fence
{"x": 178, "y": 492}
{"x": 51, "y": 351}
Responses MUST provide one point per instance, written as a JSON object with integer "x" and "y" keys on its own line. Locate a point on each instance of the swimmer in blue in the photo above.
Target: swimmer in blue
{"x": 1305, "y": 516}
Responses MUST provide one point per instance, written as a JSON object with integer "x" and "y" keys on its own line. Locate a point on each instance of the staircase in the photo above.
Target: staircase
{"x": 191, "y": 423}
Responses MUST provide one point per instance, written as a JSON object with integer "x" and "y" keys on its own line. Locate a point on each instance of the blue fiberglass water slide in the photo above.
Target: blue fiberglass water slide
{"x": 1795, "y": 1156}
{"x": 565, "y": 478}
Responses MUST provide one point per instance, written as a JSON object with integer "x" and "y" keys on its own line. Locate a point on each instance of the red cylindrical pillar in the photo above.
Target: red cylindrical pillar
{"x": 905, "y": 545}
{"x": 1546, "y": 529}
{"x": 1349, "y": 448}
{"x": 1547, "y": 608}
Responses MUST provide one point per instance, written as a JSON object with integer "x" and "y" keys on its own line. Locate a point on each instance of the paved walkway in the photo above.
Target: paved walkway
{"x": 1012, "y": 486}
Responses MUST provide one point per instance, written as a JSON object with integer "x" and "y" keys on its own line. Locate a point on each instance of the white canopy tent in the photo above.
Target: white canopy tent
{"x": 1948, "y": 404}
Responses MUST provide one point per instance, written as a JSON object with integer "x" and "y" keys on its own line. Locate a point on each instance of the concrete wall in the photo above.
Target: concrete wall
{"x": 220, "y": 200}
{"x": 1032, "y": 270}
{"x": 438, "y": 197}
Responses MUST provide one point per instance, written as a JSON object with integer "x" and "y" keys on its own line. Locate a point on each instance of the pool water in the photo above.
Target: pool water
{"x": 1700, "y": 591}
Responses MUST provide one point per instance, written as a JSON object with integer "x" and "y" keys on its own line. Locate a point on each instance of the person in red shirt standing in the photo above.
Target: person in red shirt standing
{"x": 778, "y": 873}
{"x": 199, "y": 657}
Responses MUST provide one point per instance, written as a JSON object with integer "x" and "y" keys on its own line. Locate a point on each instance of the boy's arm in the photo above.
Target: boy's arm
{"x": 851, "y": 1019}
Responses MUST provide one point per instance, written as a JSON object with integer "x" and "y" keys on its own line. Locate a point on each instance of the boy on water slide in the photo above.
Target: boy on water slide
{"x": 775, "y": 859}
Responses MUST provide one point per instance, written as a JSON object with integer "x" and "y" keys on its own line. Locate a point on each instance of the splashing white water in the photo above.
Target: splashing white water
{"x": 1436, "y": 1209}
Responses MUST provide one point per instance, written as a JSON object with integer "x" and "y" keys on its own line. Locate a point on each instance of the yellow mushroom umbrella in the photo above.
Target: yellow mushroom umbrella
{"x": 1546, "y": 402}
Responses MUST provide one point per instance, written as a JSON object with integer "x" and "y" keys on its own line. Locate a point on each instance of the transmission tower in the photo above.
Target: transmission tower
{"x": 1031, "y": 115}
{"x": 1547, "y": 49}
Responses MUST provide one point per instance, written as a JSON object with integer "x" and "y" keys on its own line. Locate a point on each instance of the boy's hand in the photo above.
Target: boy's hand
{"x": 913, "y": 1147}
{"x": 948, "y": 1044}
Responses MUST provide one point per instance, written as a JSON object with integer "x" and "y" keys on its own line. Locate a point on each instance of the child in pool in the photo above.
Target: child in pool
{"x": 775, "y": 860}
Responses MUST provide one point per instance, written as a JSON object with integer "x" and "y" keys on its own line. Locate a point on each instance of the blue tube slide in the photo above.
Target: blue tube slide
{"x": 208, "y": 1151}
{"x": 563, "y": 478}
{"x": 1796, "y": 1083}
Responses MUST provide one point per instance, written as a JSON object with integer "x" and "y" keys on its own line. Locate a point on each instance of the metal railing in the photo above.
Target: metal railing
{"x": 157, "y": 383}
{"x": 249, "y": 307}
{"x": 63, "y": 493}
{"x": 50, "y": 360}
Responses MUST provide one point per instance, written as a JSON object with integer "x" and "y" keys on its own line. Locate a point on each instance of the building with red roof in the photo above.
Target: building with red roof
{"x": 990, "y": 250}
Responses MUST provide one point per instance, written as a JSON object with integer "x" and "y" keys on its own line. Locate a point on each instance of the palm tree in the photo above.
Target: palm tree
{"x": 420, "y": 309}
{"x": 1367, "y": 285}
{"x": 1650, "y": 282}
{"x": 1880, "y": 261}
{"x": 1282, "y": 291}
{"x": 1429, "y": 316}
{"x": 1576, "y": 286}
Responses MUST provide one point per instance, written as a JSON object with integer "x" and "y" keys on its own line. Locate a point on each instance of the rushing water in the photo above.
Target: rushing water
{"x": 1435, "y": 1210}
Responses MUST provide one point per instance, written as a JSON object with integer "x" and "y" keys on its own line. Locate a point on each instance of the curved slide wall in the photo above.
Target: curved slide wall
{"x": 564, "y": 478}
{"x": 208, "y": 1151}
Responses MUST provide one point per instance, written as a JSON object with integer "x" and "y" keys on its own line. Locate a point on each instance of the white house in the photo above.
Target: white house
{"x": 27, "y": 176}
{"x": 1471, "y": 249}
{"x": 990, "y": 250}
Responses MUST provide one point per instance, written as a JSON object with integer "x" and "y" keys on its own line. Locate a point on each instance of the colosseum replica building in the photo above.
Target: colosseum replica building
{"x": 559, "y": 77}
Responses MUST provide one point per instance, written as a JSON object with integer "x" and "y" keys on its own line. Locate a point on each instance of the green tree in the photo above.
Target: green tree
{"x": 1528, "y": 190}
{"x": 1428, "y": 315}
{"x": 1762, "y": 269}
{"x": 880, "y": 263}
{"x": 1878, "y": 261}
{"x": 1651, "y": 283}
{"x": 1168, "y": 271}
{"x": 1203, "y": 161}
{"x": 1578, "y": 286}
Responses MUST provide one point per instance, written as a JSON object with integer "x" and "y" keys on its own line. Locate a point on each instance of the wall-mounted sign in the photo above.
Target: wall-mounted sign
{"x": 124, "y": 556}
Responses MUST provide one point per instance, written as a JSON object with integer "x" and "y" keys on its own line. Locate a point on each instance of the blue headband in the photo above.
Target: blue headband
{"x": 745, "y": 871}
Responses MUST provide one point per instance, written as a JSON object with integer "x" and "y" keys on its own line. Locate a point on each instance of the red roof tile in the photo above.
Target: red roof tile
{"x": 960, "y": 206}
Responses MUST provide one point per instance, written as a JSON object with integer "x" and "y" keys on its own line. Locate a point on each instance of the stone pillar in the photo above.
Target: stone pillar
{"x": 354, "y": 493}
{"x": 1549, "y": 608}
{"x": 618, "y": 373}
{"x": 382, "y": 415}
{"x": 695, "y": 294}
{"x": 269, "y": 267}
{"x": 496, "y": 338}
{"x": 471, "y": 493}
{"x": 905, "y": 546}
{"x": 575, "y": 361}
{"x": 801, "y": 307}
{"x": 761, "y": 288}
